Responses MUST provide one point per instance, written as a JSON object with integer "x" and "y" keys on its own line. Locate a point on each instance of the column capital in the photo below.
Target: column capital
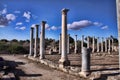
{"x": 64, "y": 11}
{"x": 32, "y": 28}
{"x": 43, "y": 22}
{"x": 76, "y": 35}
{"x": 36, "y": 25}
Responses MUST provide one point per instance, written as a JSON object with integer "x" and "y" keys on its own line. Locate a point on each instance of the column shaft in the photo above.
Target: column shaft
{"x": 98, "y": 44}
{"x": 64, "y": 59}
{"x": 36, "y": 42}
{"x": 76, "y": 50}
{"x": 68, "y": 44}
{"x": 82, "y": 43}
{"x": 42, "y": 41}
{"x": 93, "y": 48}
{"x": 106, "y": 45}
{"x": 60, "y": 44}
{"x": 88, "y": 44}
{"x": 102, "y": 44}
{"x": 31, "y": 41}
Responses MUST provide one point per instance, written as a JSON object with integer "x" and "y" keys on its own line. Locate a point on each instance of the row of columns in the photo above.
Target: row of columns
{"x": 64, "y": 38}
{"x": 34, "y": 47}
{"x": 104, "y": 44}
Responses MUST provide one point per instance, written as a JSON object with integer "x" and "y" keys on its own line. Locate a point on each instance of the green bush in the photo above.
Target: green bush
{"x": 3, "y": 47}
{"x": 16, "y": 49}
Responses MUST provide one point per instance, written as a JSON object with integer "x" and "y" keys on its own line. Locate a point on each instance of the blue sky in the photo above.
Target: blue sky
{"x": 86, "y": 17}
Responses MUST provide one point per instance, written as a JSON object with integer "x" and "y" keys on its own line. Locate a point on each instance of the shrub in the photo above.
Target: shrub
{"x": 16, "y": 49}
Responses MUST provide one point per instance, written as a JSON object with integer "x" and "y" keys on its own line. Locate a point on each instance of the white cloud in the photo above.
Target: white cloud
{"x": 104, "y": 27}
{"x": 16, "y": 27}
{"x": 54, "y": 28}
{"x": 3, "y": 21}
{"x": 16, "y": 11}
{"x": 82, "y": 24}
{"x": 22, "y": 28}
{"x": 33, "y": 25}
{"x": 27, "y": 15}
{"x": 4, "y": 11}
{"x": 97, "y": 24}
{"x": 10, "y": 17}
{"x": 19, "y": 23}
{"x": 47, "y": 27}
{"x": 79, "y": 24}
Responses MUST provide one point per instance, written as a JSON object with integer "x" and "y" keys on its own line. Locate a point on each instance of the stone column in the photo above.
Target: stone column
{"x": 106, "y": 45}
{"x": 42, "y": 41}
{"x": 31, "y": 41}
{"x": 109, "y": 45}
{"x": 93, "y": 48}
{"x": 36, "y": 42}
{"x": 60, "y": 44}
{"x": 68, "y": 44}
{"x": 64, "y": 59}
{"x": 85, "y": 69}
{"x": 88, "y": 44}
{"x": 102, "y": 44}
{"x": 98, "y": 44}
{"x": 82, "y": 43}
{"x": 76, "y": 50}
{"x": 112, "y": 44}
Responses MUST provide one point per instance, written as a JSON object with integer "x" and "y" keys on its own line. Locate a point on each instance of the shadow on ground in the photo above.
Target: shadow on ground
{"x": 12, "y": 67}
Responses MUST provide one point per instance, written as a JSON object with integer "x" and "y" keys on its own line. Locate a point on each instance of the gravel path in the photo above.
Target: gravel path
{"x": 25, "y": 69}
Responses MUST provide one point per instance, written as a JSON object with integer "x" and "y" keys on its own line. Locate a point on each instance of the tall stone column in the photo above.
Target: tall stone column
{"x": 106, "y": 45}
{"x": 109, "y": 45}
{"x": 85, "y": 67}
{"x": 98, "y": 44}
{"x": 112, "y": 44}
{"x": 88, "y": 44}
{"x": 42, "y": 41}
{"x": 82, "y": 43}
{"x": 64, "y": 58}
{"x": 68, "y": 44}
{"x": 76, "y": 50}
{"x": 93, "y": 48}
{"x": 60, "y": 44}
{"x": 36, "y": 41}
{"x": 102, "y": 44}
{"x": 31, "y": 41}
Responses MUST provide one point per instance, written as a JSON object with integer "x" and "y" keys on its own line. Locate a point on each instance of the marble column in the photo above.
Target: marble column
{"x": 112, "y": 44}
{"x": 88, "y": 42}
{"x": 93, "y": 46}
{"x": 106, "y": 45}
{"x": 109, "y": 45}
{"x": 102, "y": 44}
{"x": 98, "y": 44}
{"x": 60, "y": 44}
{"x": 68, "y": 44}
{"x": 64, "y": 58}
{"x": 82, "y": 43}
{"x": 42, "y": 40}
{"x": 76, "y": 50}
{"x": 31, "y": 41}
{"x": 85, "y": 67}
{"x": 36, "y": 41}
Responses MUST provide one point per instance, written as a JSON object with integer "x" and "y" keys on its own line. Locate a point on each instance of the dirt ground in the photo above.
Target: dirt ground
{"x": 25, "y": 69}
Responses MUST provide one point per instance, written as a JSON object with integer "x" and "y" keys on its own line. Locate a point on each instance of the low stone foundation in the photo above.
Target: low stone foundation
{"x": 68, "y": 69}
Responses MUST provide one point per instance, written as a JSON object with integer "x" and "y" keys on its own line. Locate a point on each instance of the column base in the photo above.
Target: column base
{"x": 84, "y": 73}
{"x": 63, "y": 63}
{"x": 35, "y": 56}
{"x": 76, "y": 51}
{"x": 42, "y": 57}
